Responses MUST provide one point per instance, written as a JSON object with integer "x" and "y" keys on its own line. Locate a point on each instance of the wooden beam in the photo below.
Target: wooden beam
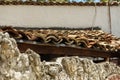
{"x": 62, "y": 50}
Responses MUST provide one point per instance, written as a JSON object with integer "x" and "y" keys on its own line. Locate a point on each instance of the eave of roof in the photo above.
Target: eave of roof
{"x": 89, "y": 39}
{"x": 60, "y": 3}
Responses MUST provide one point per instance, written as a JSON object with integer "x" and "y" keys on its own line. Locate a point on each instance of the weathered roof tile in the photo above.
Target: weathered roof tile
{"x": 94, "y": 39}
{"x": 59, "y": 3}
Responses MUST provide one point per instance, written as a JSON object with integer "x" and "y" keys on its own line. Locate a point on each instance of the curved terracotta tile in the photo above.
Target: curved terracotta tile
{"x": 52, "y": 38}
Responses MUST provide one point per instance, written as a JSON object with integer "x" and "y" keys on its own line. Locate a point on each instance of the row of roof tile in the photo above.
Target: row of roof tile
{"x": 91, "y": 39}
{"x": 60, "y": 3}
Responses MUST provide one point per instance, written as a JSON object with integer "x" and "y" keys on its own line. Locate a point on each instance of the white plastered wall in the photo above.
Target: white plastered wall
{"x": 115, "y": 19}
{"x": 60, "y": 16}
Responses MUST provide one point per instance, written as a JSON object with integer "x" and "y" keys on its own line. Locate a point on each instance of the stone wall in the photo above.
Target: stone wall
{"x": 28, "y": 66}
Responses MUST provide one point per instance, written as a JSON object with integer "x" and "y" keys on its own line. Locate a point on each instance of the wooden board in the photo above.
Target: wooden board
{"x": 65, "y": 50}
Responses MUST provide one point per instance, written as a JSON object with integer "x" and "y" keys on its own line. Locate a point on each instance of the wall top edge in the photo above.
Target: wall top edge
{"x": 60, "y": 3}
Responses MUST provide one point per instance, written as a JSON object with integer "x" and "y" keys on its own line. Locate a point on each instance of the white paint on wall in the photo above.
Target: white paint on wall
{"x": 115, "y": 17}
{"x": 59, "y": 16}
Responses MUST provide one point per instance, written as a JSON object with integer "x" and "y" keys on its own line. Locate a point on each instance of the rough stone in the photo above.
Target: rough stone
{"x": 28, "y": 66}
{"x": 16, "y": 65}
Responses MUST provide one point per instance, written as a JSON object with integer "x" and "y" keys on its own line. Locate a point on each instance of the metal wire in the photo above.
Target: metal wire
{"x": 109, "y": 16}
{"x": 94, "y": 17}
